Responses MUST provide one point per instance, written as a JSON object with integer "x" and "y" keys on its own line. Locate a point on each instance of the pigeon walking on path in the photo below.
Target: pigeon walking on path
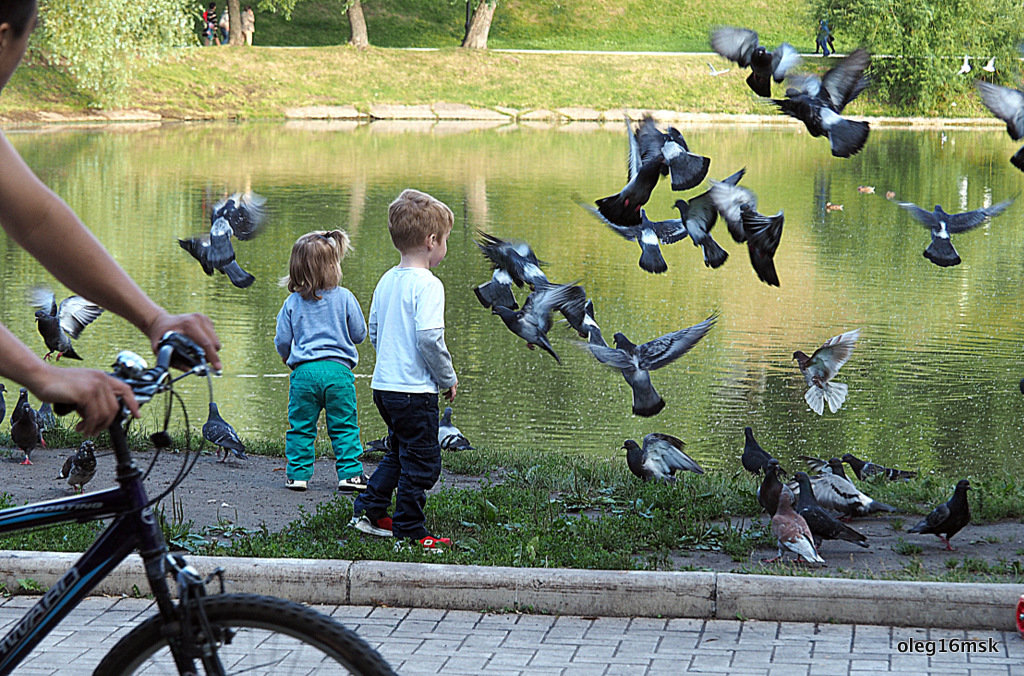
{"x": 648, "y": 234}
{"x": 949, "y": 518}
{"x": 533, "y": 321}
{"x": 1007, "y": 104}
{"x": 637, "y": 361}
{"x": 448, "y": 435}
{"x": 771, "y": 488}
{"x": 741, "y": 45}
{"x": 218, "y": 432}
{"x": 755, "y": 459}
{"x": 821, "y": 367}
{"x": 865, "y": 469}
{"x": 793, "y": 533}
{"x": 80, "y": 467}
{"x": 838, "y": 493}
{"x": 58, "y": 324}
{"x": 818, "y": 102}
{"x": 942, "y": 225}
{"x": 514, "y": 263}
{"x": 24, "y": 428}
{"x": 823, "y": 525}
{"x": 659, "y": 458}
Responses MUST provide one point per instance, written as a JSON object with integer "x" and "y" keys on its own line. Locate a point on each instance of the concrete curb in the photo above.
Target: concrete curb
{"x": 572, "y": 592}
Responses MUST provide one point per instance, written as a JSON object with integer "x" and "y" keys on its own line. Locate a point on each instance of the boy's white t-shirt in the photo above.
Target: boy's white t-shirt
{"x": 405, "y": 301}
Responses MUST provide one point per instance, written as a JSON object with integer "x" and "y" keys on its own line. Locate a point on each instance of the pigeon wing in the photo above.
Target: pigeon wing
{"x": 816, "y": 464}
{"x": 630, "y": 232}
{"x": 75, "y": 313}
{"x": 701, "y": 216}
{"x": 735, "y": 44}
{"x": 544, "y": 299}
{"x": 1006, "y": 104}
{"x": 670, "y": 450}
{"x": 247, "y": 215}
{"x": 835, "y": 352}
{"x": 198, "y": 247}
{"x": 669, "y": 231}
{"x": 44, "y": 299}
{"x": 666, "y": 349}
{"x": 784, "y": 58}
{"x": 927, "y": 218}
{"x": 763, "y": 236}
{"x": 843, "y": 83}
{"x": 972, "y": 219}
{"x": 649, "y": 141}
{"x": 731, "y": 200}
{"x": 937, "y": 517}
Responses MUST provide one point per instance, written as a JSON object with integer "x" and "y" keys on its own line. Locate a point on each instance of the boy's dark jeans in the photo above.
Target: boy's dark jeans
{"x": 412, "y": 466}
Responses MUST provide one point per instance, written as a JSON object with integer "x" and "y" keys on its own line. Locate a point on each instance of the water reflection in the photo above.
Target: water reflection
{"x": 933, "y": 381}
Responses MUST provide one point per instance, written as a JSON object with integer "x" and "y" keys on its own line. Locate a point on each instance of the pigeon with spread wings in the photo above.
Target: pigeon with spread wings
{"x": 514, "y": 263}
{"x": 241, "y": 216}
{"x": 821, "y": 367}
{"x": 648, "y": 234}
{"x": 58, "y": 324}
{"x": 1008, "y": 105}
{"x": 741, "y": 45}
{"x": 942, "y": 225}
{"x": 659, "y": 458}
{"x": 533, "y": 321}
{"x": 637, "y": 361}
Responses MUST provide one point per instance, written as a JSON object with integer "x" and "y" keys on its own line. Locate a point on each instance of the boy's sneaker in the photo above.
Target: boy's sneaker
{"x": 353, "y": 483}
{"x": 295, "y": 484}
{"x": 380, "y": 527}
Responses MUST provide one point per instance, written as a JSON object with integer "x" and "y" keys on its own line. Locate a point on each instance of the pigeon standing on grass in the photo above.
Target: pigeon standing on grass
{"x": 838, "y": 493}
{"x": 59, "y": 324}
{"x": 818, "y": 102}
{"x": 949, "y": 518}
{"x": 942, "y": 225}
{"x": 448, "y": 435}
{"x": 755, "y": 459}
{"x": 865, "y": 469}
{"x": 741, "y": 45}
{"x": 218, "y": 432}
{"x": 637, "y": 361}
{"x": 45, "y": 418}
{"x": 821, "y": 367}
{"x": 793, "y": 533}
{"x": 80, "y": 467}
{"x": 24, "y": 428}
{"x": 533, "y": 321}
{"x": 822, "y": 524}
{"x": 659, "y": 458}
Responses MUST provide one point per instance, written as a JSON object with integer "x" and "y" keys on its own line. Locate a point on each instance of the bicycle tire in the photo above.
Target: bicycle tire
{"x": 270, "y": 633}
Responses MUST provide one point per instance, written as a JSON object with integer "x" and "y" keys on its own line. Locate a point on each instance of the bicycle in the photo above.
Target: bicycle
{"x": 224, "y": 633}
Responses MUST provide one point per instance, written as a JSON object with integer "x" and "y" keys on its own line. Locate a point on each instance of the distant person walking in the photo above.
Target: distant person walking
{"x": 225, "y": 27}
{"x": 823, "y": 42}
{"x": 248, "y": 24}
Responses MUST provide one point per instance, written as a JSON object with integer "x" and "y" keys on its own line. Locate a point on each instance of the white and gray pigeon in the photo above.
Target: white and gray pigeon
{"x": 821, "y": 367}
{"x": 218, "y": 432}
{"x": 533, "y": 321}
{"x": 58, "y": 324}
{"x": 649, "y": 235}
{"x": 45, "y": 418}
{"x": 242, "y": 216}
{"x": 942, "y": 225}
{"x": 637, "y": 361}
{"x": 513, "y": 262}
{"x": 1007, "y": 104}
{"x": 838, "y": 493}
{"x": 448, "y": 435}
{"x": 660, "y": 458}
{"x": 80, "y": 467}
{"x": 741, "y": 45}
{"x": 793, "y": 534}
{"x": 738, "y": 206}
{"x": 700, "y": 214}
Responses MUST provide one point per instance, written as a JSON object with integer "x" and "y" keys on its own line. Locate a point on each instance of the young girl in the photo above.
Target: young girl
{"x": 318, "y": 329}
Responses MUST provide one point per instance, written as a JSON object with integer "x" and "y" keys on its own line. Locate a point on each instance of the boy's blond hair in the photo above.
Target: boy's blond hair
{"x": 414, "y": 216}
{"x": 315, "y": 263}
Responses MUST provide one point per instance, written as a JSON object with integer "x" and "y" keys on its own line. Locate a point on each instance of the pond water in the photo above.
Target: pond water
{"x": 933, "y": 380}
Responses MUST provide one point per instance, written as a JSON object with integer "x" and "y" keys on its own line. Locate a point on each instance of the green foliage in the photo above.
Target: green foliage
{"x": 924, "y": 43}
{"x": 103, "y": 44}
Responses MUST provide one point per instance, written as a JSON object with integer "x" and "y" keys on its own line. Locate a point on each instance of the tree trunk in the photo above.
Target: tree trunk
{"x": 480, "y": 25}
{"x": 357, "y": 25}
{"x": 235, "y": 36}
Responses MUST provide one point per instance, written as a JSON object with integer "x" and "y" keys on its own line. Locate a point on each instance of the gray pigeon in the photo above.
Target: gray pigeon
{"x": 59, "y": 324}
{"x": 200, "y": 248}
{"x": 822, "y": 524}
{"x": 821, "y": 367}
{"x": 80, "y": 467}
{"x": 24, "y": 428}
{"x": 381, "y": 445}
{"x": 840, "y": 495}
{"x": 637, "y": 361}
{"x": 244, "y": 212}
{"x": 738, "y": 206}
{"x": 659, "y": 458}
{"x": 755, "y": 459}
{"x": 45, "y": 418}
{"x": 1008, "y": 105}
{"x": 942, "y": 225}
{"x": 865, "y": 469}
{"x": 700, "y": 215}
{"x": 533, "y": 321}
{"x": 514, "y": 263}
{"x": 218, "y": 432}
{"x": 949, "y": 518}
{"x": 448, "y": 435}
{"x": 648, "y": 234}
{"x": 242, "y": 216}
{"x": 741, "y": 45}
{"x": 646, "y": 166}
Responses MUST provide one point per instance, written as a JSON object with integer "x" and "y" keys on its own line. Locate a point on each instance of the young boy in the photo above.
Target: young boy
{"x": 406, "y": 329}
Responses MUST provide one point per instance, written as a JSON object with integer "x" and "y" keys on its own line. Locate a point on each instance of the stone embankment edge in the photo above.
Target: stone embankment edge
{"x": 571, "y": 591}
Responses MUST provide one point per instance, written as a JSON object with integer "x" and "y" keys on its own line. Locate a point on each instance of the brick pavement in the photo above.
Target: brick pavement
{"x": 457, "y": 642}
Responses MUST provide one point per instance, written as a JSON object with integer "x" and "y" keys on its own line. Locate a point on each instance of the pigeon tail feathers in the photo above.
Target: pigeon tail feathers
{"x": 815, "y": 398}
{"x": 835, "y": 395}
{"x": 714, "y": 255}
{"x": 1018, "y": 159}
{"x": 688, "y": 170}
{"x": 942, "y": 253}
{"x": 618, "y": 210}
{"x": 652, "y": 260}
{"x": 237, "y": 275}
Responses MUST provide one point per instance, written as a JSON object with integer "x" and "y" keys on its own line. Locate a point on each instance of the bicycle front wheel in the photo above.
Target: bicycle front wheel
{"x": 253, "y": 635}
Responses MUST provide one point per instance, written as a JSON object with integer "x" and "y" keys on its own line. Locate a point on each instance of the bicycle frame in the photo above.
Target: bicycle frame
{"x": 134, "y": 527}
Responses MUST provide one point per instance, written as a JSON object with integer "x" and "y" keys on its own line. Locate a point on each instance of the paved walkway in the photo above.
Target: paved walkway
{"x": 423, "y": 641}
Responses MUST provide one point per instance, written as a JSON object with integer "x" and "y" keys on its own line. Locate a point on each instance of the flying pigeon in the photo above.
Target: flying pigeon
{"x": 771, "y": 488}
{"x": 738, "y": 207}
{"x": 80, "y": 467}
{"x": 818, "y": 102}
{"x": 821, "y": 367}
{"x": 686, "y": 170}
{"x": 660, "y": 457}
{"x": 24, "y": 428}
{"x": 840, "y": 495}
{"x": 865, "y": 469}
{"x": 942, "y": 225}
{"x": 514, "y": 263}
{"x": 948, "y": 518}
{"x": 59, "y": 324}
{"x": 741, "y": 45}
{"x": 532, "y": 322}
{"x": 244, "y": 212}
{"x": 218, "y": 432}
{"x": 448, "y": 435}
{"x": 1007, "y": 104}
{"x": 822, "y": 524}
{"x": 593, "y": 331}
{"x": 648, "y": 234}
{"x": 731, "y": 200}
{"x": 755, "y": 459}
{"x": 699, "y": 217}
{"x": 637, "y": 361}
{"x": 241, "y": 216}
{"x": 793, "y": 533}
